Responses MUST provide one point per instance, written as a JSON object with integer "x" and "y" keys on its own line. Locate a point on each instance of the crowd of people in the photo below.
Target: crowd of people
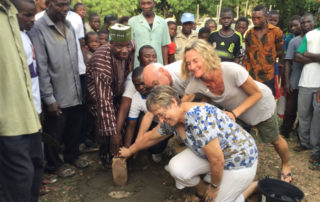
{"x": 136, "y": 82}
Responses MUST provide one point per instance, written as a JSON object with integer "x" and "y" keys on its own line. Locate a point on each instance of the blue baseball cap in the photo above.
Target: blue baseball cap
{"x": 187, "y": 17}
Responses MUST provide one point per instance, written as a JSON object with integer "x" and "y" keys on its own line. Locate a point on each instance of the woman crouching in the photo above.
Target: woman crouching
{"x": 216, "y": 146}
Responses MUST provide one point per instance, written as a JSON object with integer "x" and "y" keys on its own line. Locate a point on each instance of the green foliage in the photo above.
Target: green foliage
{"x": 169, "y": 8}
{"x": 109, "y": 7}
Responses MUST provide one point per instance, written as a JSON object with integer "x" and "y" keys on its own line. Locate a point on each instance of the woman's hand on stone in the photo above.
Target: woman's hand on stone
{"x": 125, "y": 152}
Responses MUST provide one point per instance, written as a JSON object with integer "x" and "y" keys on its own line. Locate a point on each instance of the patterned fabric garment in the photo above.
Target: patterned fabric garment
{"x": 205, "y": 123}
{"x": 105, "y": 82}
{"x": 261, "y": 54}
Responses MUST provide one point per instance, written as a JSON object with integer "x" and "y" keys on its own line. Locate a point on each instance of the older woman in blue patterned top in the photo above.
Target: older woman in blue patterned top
{"x": 216, "y": 146}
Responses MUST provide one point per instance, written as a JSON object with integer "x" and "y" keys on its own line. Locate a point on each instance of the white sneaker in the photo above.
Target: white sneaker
{"x": 157, "y": 157}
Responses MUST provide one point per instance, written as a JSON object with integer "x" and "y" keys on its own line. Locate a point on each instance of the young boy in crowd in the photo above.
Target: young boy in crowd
{"x": 146, "y": 55}
{"x": 80, "y": 9}
{"x": 124, "y": 20}
{"x": 92, "y": 44}
{"x": 292, "y": 73}
{"x": 211, "y": 24}
{"x": 94, "y": 23}
{"x": 227, "y": 42}
{"x": 103, "y": 36}
{"x": 109, "y": 20}
{"x": 204, "y": 33}
{"x": 274, "y": 17}
{"x": 172, "y": 46}
{"x": 137, "y": 109}
{"x": 242, "y": 25}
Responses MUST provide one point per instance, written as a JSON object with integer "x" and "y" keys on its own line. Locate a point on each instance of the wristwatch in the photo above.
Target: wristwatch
{"x": 213, "y": 185}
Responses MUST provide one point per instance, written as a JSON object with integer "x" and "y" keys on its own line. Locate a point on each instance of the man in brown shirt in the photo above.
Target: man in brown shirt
{"x": 105, "y": 75}
{"x": 264, "y": 43}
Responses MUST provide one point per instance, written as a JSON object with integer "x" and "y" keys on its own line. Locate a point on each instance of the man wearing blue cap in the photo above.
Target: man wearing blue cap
{"x": 185, "y": 35}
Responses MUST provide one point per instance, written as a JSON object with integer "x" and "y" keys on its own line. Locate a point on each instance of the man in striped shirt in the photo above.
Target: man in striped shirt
{"x": 106, "y": 74}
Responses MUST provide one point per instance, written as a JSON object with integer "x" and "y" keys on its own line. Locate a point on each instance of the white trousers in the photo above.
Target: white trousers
{"x": 186, "y": 168}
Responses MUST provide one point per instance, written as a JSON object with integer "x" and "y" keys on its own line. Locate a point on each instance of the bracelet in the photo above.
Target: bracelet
{"x": 213, "y": 185}
{"x": 233, "y": 114}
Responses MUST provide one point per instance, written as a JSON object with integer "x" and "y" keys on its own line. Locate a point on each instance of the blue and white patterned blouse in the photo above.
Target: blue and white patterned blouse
{"x": 204, "y": 123}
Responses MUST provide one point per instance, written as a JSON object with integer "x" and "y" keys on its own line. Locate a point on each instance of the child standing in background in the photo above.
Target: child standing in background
{"x": 94, "y": 23}
{"x": 172, "y": 46}
{"x": 103, "y": 37}
{"x": 92, "y": 44}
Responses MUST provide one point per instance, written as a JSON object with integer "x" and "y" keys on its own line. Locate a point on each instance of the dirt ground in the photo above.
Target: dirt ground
{"x": 148, "y": 181}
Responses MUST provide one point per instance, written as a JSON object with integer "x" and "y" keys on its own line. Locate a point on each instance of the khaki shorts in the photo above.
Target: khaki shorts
{"x": 269, "y": 129}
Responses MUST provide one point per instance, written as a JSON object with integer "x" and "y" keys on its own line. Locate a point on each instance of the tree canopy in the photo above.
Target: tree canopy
{"x": 169, "y": 8}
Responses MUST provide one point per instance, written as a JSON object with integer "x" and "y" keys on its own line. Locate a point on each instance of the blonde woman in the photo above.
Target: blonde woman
{"x": 216, "y": 145}
{"x": 229, "y": 86}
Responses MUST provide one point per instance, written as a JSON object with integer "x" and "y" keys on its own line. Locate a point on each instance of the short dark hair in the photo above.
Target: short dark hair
{"x": 92, "y": 16}
{"x": 75, "y": 7}
{"x": 17, "y": 3}
{"x": 307, "y": 14}
{"x": 109, "y": 18}
{"x": 261, "y": 8}
{"x": 103, "y": 31}
{"x": 226, "y": 10}
{"x": 210, "y": 21}
{"x": 274, "y": 12}
{"x": 124, "y": 19}
{"x": 204, "y": 30}
{"x": 86, "y": 38}
{"x": 171, "y": 23}
{"x": 137, "y": 72}
{"x": 243, "y": 19}
{"x": 295, "y": 17}
{"x": 145, "y": 47}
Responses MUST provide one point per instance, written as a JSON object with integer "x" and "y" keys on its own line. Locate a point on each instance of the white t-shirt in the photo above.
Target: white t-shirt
{"x": 310, "y": 76}
{"x": 76, "y": 22}
{"x": 234, "y": 76}
{"x": 31, "y": 60}
{"x": 138, "y": 105}
{"x": 174, "y": 70}
{"x": 129, "y": 89}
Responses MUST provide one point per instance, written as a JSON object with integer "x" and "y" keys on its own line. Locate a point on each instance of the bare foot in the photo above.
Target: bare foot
{"x": 286, "y": 174}
{"x": 253, "y": 187}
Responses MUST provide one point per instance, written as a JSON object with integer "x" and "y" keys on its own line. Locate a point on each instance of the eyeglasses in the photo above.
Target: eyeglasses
{"x": 162, "y": 115}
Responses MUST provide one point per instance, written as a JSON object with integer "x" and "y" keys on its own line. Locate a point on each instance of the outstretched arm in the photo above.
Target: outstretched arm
{"x": 145, "y": 124}
{"x": 145, "y": 141}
